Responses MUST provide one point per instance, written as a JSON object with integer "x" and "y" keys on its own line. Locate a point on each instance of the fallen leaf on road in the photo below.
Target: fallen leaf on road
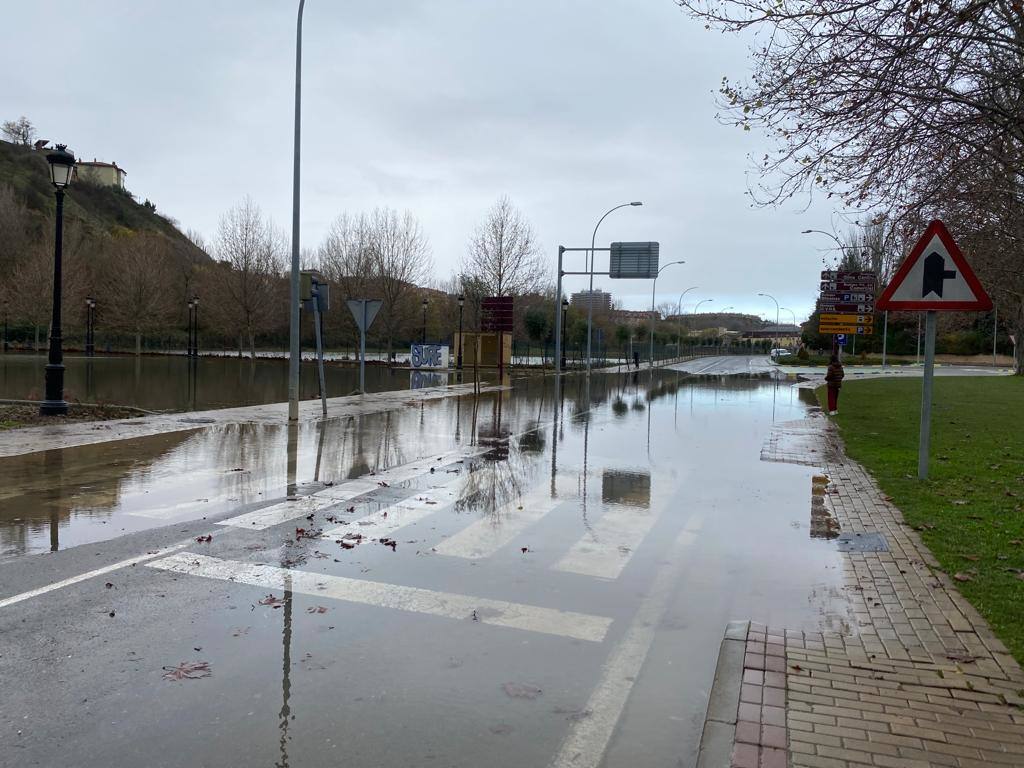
{"x": 521, "y": 690}
{"x": 188, "y": 670}
{"x": 272, "y": 601}
{"x": 316, "y": 609}
{"x": 204, "y": 539}
{"x": 524, "y": 550}
{"x": 108, "y": 585}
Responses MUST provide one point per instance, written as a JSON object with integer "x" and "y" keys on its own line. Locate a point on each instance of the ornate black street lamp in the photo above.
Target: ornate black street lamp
{"x": 62, "y": 164}
{"x": 90, "y": 327}
{"x": 462, "y": 303}
{"x": 565, "y": 310}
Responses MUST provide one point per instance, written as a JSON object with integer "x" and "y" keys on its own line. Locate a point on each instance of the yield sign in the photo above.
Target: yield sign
{"x": 935, "y": 276}
{"x": 364, "y": 311}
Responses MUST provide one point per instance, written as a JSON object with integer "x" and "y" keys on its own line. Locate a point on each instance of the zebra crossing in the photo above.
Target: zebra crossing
{"x": 602, "y": 551}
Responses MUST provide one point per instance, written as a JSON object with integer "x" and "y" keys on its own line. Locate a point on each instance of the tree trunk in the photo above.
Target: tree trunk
{"x": 252, "y": 344}
{"x": 138, "y": 343}
{"x": 1018, "y": 348}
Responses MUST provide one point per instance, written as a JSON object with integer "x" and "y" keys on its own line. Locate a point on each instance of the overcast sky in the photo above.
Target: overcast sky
{"x": 568, "y": 107}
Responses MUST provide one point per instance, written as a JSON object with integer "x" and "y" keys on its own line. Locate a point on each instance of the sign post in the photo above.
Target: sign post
{"x": 316, "y": 295}
{"x": 364, "y": 311}
{"x": 934, "y": 278}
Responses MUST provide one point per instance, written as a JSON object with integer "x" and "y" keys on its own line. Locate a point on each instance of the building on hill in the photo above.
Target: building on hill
{"x": 634, "y": 315}
{"x": 601, "y": 300}
{"x": 102, "y": 174}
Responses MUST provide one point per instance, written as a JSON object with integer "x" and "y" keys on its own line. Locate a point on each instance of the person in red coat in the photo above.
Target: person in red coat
{"x": 834, "y": 381}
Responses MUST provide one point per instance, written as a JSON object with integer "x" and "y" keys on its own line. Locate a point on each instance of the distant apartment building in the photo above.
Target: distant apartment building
{"x": 601, "y": 300}
{"x": 103, "y": 174}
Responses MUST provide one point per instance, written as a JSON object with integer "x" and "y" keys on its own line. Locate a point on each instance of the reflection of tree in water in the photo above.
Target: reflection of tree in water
{"x": 533, "y": 440}
{"x": 49, "y": 487}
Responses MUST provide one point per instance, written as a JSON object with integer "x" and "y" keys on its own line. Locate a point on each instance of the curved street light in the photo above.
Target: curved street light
{"x": 654, "y": 286}
{"x": 590, "y": 291}
{"x": 679, "y": 315}
{"x": 768, "y": 295}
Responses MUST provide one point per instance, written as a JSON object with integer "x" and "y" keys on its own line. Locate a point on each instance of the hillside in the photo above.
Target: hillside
{"x": 103, "y": 210}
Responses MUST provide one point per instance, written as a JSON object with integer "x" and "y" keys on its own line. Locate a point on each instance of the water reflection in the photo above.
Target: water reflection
{"x": 180, "y": 383}
{"x": 631, "y": 488}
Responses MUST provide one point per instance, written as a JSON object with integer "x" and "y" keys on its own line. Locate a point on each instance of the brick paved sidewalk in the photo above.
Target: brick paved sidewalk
{"x": 920, "y": 680}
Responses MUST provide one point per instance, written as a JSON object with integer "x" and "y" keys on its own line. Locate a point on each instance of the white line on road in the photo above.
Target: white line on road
{"x": 489, "y": 534}
{"x": 386, "y": 521}
{"x": 604, "y": 550}
{"x": 549, "y": 621}
{"x": 284, "y": 511}
{"x": 587, "y": 742}
{"x": 91, "y": 574}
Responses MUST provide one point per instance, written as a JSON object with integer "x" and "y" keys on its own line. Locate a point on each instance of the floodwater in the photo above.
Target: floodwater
{"x": 625, "y": 523}
{"x": 175, "y": 383}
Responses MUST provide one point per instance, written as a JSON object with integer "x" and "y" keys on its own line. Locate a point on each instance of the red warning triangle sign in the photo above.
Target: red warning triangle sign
{"x": 935, "y": 276}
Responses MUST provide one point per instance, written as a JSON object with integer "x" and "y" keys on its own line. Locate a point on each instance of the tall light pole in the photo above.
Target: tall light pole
{"x": 462, "y": 304}
{"x": 565, "y": 311}
{"x": 793, "y": 315}
{"x": 654, "y": 287}
{"x": 423, "y": 339}
{"x": 293, "y": 313}
{"x": 62, "y": 163}
{"x": 696, "y": 307}
{"x": 590, "y": 294}
{"x": 823, "y": 232}
{"x": 679, "y": 316}
{"x": 768, "y": 295}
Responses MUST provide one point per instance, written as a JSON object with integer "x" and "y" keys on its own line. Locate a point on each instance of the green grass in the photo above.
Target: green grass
{"x": 969, "y": 511}
{"x": 822, "y": 360}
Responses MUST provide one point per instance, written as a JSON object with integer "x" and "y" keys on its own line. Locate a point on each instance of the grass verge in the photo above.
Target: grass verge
{"x": 19, "y": 416}
{"x": 969, "y": 512}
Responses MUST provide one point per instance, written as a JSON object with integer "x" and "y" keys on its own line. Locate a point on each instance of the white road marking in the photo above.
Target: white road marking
{"x": 586, "y": 743}
{"x": 606, "y": 548}
{"x": 284, "y": 511}
{"x": 549, "y": 621}
{"x": 487, "y": 535}
{"x": 386, "y": 521}
{"x": 91, "y": 574}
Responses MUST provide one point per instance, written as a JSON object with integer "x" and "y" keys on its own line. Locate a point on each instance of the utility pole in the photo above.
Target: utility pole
{"x": 293, "y": 313}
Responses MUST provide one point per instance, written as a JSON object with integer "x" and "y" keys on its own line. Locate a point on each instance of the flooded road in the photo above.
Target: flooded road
{"x": 524, "y": 579}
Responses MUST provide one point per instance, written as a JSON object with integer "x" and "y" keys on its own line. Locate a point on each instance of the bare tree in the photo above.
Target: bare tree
{"x": 503, "y": 253}
{"x": 251, "y": 250}
{"x": 401, "y": 262}
{"x": 20, "y": 131}
{"x": 136, "y": 296}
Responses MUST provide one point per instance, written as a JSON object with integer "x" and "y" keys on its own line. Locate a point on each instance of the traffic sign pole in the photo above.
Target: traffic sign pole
{"x": 885, "y": 336}
{"x": 926, "y": 395}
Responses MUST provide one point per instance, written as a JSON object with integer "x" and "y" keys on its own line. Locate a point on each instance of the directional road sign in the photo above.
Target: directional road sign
{"x": 935, "y": 276}
{"x": 844, "y": 274}
{"x": 834, "y": 307}
{"x": 859, "y": 330}
{"x": 364, "y": 311}
{"x": 847, "y": 286}
{"x": 838, "y": 318}
{"x": 841, "y": 339}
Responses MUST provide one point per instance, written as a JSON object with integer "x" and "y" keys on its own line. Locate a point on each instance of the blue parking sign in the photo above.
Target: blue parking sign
{"x": 841, "y": 339}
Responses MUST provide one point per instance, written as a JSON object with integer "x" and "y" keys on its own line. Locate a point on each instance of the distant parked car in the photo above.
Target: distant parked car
{"x": 781, "y": 353}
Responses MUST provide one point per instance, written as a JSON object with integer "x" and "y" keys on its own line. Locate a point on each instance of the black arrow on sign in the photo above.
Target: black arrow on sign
{"x": 935, "y": 274}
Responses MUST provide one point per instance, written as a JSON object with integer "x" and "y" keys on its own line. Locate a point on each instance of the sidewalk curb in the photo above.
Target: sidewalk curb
{"x": 719, "y": 734}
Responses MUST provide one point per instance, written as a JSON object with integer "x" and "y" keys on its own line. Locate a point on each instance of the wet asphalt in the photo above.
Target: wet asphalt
{"x": 562, "y": 606}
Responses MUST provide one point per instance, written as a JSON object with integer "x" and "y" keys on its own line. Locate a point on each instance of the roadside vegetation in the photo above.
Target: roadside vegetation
{"x": 18, "y": 416}
{"x": 970, "y": 512}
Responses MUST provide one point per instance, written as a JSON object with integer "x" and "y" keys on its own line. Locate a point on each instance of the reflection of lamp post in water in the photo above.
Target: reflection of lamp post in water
{"x": 285, "y": 714}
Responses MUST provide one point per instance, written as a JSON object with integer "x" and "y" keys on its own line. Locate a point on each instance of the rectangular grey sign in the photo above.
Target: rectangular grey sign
{"x": 634, "y": 261}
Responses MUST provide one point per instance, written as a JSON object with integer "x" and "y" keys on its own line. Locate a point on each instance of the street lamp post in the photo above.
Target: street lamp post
{"x": 654, "y": 286}
{"x": 793, "y": 315}
{"x": 90, "y": 327}
{"x": 293, "y": 313}
{"x": 195, "y": 327}
{"x": 62, "y": 163}
{"x": 697, "y": 306}
{"x": 769, "y": 296}
{"x": 590, "y": 294}
{"x": 423, "y": 339}
{"x": 188, "y": 344}
{"x": 565, "y": 311}
{"x": 679, "y": 321}
{"x": 462, "y": 303}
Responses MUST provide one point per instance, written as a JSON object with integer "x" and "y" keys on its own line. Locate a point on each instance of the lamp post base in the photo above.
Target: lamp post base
{"x": 54, "y": 404}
